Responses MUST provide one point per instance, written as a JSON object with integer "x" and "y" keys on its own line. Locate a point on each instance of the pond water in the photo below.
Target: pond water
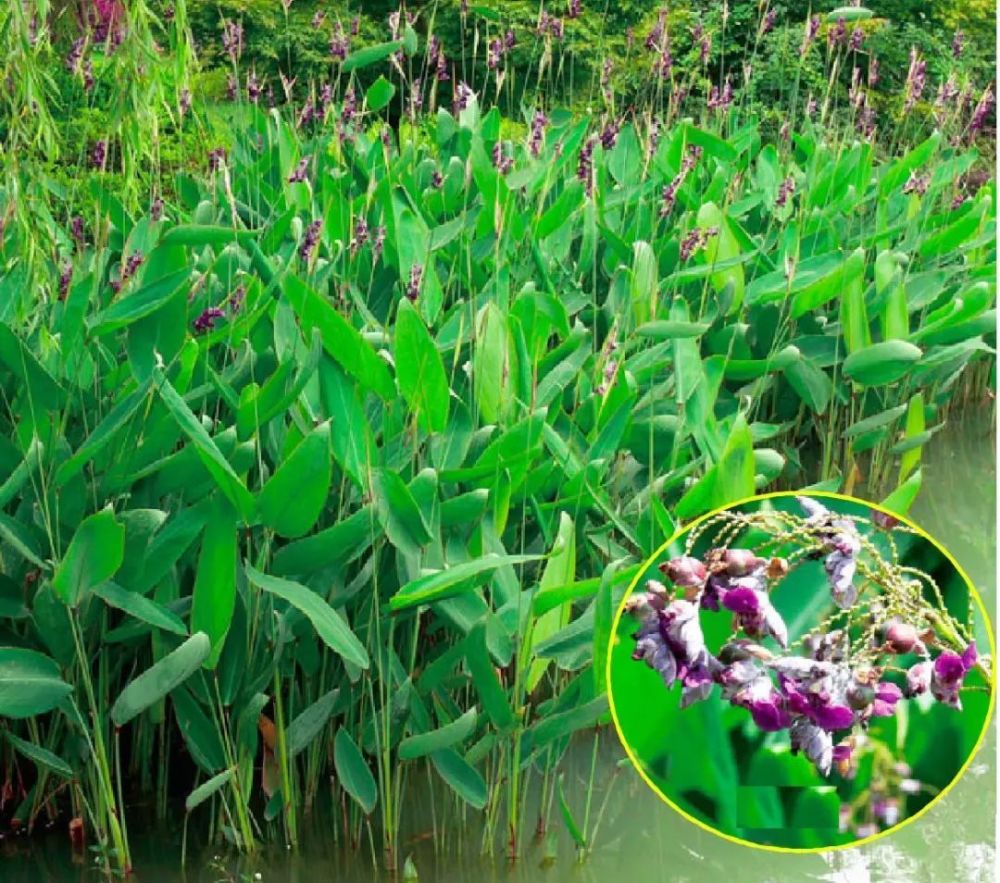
{"x": 638, "y": 837}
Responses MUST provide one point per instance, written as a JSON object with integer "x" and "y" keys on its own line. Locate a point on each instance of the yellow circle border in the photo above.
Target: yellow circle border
{"x": 815, "y": 850}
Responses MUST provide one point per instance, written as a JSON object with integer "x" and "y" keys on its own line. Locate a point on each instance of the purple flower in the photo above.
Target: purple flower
{"x": 77, "y": 230}
{"x": 232, "y": 39}
{"x": 720, "y": 101}
{"x": 65, "y": 278}
{"x": 747, "y": 598}
{"x": 916, "y": 80}
{"x": 958, "y": 44}
{"x": 538, "y": 123}
{"x": 948, "y": 674}
{"x": 585, "y": 165}
{"x": 310, "y": 240}
{"x": 982, "y": 111}
{"x": 237, "y": 298}
{"x": 837, "y": 35}
{"x": 917, "y": 183}
{"x": 813, "y": 741}
{"x": 887, "y": 695}
{"x": 462, "y": 95}
{"x": 75, "y": 54}
{"x": 502, "y": 163}
{"x": 575, "y": 8}
{"x": 216, "y": 158}
{"x": 254, "y": 87}
{"x": 416, "y": 277}
{"x": 378, "y": 242}
{"x": 340, "y": 44}
{"x": 812, "y": 29}
{"x": 857, "y": 39}
{"x": 918, "y": 678}
{"x": 206, "y": 320}
{"x": 767, "y": 23}
{"x": 299, "y": 172}
{"x": 786, "y": 190}
{"x": 99, "y": 154}
{"x": 684, "y": 571}
{"x": 609, "y": 134}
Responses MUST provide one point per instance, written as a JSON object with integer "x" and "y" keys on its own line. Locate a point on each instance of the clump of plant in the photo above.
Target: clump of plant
{"x": 889, "y": 636}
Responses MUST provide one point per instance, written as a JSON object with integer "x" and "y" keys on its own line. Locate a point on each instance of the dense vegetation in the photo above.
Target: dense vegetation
{"x": 331, "y": 433}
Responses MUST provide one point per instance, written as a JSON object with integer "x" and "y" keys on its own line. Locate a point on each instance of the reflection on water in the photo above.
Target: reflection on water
{"x": 640, "y": 838}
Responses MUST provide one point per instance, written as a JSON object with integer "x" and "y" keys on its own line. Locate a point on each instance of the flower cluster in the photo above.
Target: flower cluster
{"x": 826, "y": 691}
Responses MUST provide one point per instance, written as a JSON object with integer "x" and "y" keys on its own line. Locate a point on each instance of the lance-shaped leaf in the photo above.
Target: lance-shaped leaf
{"x": 162, "y": 677}
{"x": 331, "y": 628}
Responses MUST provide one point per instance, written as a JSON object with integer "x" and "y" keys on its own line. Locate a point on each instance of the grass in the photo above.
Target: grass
{"x": 345, "y": 474}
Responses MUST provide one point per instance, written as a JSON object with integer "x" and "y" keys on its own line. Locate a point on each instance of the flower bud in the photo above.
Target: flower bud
{"x": 685, "y": 571}
{"x": 860, "y": 695}
{"x": 740, "y": 562}
{"x": 777, "y": 568}
{"x": 901, "y": 637}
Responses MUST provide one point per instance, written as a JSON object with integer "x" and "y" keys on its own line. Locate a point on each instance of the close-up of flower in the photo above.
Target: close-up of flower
{"x": 821, "y": 631}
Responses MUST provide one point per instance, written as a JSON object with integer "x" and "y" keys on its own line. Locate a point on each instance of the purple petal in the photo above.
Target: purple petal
{"x": 888, "y": 692}
{"x": 742, "y": 601}
{"x": 832, "y": 717}
{"x": 970, "y": 655}
{"x": 770, "y": 716}
{"x": 949, "y": 667}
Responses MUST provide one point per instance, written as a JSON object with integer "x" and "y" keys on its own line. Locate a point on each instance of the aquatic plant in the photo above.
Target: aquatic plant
{"x": 327, "y": 447}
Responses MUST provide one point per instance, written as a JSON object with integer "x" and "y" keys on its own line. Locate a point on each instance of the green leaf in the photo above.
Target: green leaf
{"x": 43, "y": 393}
{"x": 447, "y": 736}
{"x": 135, "y": 306}
{"x": 560, "y": 570}
{"x": 209, "y": 454}
{"x": 827, "y": 287}
{"x": 419, "y": 369}
{"x": 881, "y": 363}
{"x": 342, "y": 341}
{"x": 875, "y": 421}
{"x": 370, "y": 55}
{"x": 810, "y": 383}
{"x": 308, "y": 724}
{"x": 294, "y": 497}
{"x": 140, "y": 607}
{"x": 900, "y": 500}
{"x": 207, "y": 789}
{"x": 460, "y": 776}
{"x": 399, "y": 513}
{"x": 355, "y": 776}
{"x": 491, "y": 364}
{"x": 915, "y": 427}
{"x": 214, "y": 594}
{"x": 379, "y": 94}
{"x": 40, "y": 756}
{"x": 331, "y": 628}
{"x": 162, "y": 677}
{"x": 669, "y": 330}
{"x": 488, "y": 686}
{"x": 341, "y": 542}
{"x": 94, "y": 555}
{"x": 446, "y": 583}
{"x": 115, "y": 419}
{"x": 574, "y": 829}
{"x": 29, "y": 683}
{"x": 555, "y": 726}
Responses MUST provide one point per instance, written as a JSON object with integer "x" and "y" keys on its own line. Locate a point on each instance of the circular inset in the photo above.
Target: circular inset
{"x": 801, "y": 672}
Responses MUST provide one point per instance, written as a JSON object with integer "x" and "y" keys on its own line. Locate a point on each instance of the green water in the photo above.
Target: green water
{"x": 639, "y": 839}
